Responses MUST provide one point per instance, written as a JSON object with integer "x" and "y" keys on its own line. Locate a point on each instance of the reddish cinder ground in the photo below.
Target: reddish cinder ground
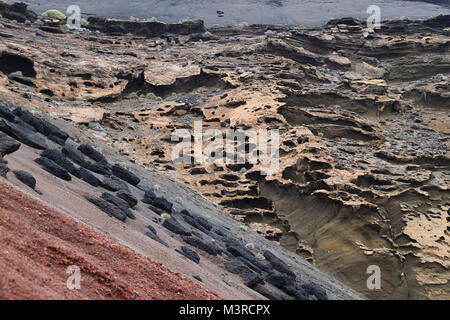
{"x": 38, "y": 243}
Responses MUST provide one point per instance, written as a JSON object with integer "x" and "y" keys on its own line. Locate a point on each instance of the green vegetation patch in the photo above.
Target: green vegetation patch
{"x": 54, "y": 14}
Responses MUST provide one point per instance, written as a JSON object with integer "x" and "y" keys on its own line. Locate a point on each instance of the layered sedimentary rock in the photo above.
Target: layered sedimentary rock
{"x": 362, "y": 115}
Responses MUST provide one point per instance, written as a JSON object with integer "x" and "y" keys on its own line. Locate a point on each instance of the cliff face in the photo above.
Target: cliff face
{"x": 363, "y": 119}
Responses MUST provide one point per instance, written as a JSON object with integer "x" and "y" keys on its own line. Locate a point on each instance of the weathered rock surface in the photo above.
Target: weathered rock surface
{"x": 190, "y": 254}
{"x": 129, "y": 199}
{"x": 118, "y": 203}
{"x": 53, "y": 168}
{"x": 173, "y": 225}
{"x": 7, "y": 145}
{"x": 107, "y": 207}
{"x": 26, "y": 178}
{"x": 125, "y": 175}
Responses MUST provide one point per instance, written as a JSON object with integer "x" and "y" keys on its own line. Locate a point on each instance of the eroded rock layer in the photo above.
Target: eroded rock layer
{"x": 363, "y": 117}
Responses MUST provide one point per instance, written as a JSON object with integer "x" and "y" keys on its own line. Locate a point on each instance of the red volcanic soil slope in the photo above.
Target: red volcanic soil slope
{"x": 38, "y": 243}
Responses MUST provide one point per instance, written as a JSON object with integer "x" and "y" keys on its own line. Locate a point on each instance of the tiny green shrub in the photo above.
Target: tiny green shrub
{"x": 320, "y": 134}
{"x": 151, "y": 96}
{"x": 132, "y": 95}
{"x": 54, "y": 14}
{"x": 243, "y": 228}
{"x": 165, "y": 216}
{"x": 84, "y": 22}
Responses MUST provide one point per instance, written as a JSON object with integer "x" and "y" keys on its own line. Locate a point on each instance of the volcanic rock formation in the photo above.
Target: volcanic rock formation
{"x": 363, "y": 117}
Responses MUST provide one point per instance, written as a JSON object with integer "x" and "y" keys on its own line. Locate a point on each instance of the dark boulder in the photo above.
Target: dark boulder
{"x": 163, "y": 204}
{"x": 190, "y": 254}
{"x": 270, "y": 294}
{"x": 57, "y": 140}
{"x": 118, "y": 203}
{"x": 26, "y": 178}
{"x": 197, "y": 234}
{"x": 238, "y": 250}
{"x": 220, "y": 232}
{"x": 278, "y": 264}
{"x": 53, "y": 168}
{"x": 279, "y": 280}
{"x": 88, "y": 177}
{"x": 24, "y": 133}
{"x": 313, "y": 289}
{"x": 76, "y": 172}
{"x": 7, "y": 145}
{"x": 237, "y": 267}
{"x": 252, "y": 280}
{"x": 204, "y": 245}
{"x": 123, "y": 185}
{"x": 256, "y": 265}
{"x": 296, "y": 292}
{"x": 193, "y": 222}
{"x": 76, "y": 156}
{"x": 5, "y": 113}
{"x": 107, "y": 207}
{"x": 125, "y": 175}
{"x": 196, "y": 220}
{"x": 110, "y": 184}
{"x": 156, "y": 210}
{"x": 129, "y": 199}
{"x": 42, "y": 126}
{"x": 59, "y": 158}
{"x": 173, "y": 225}
{"x": 149, "y": 196}
{"x": 99, "y": 168}
{"x": 92, "y": 153}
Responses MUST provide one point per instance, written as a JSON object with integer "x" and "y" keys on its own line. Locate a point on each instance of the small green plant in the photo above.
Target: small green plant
{"x": 151, "y": 96}
{"x": 84, "y": 22}
{"x": 132, "y": 95}
{"x": 320, "y": 134}
{"x": 165, "y": 216}
{"x": 243, "y": 228}
{"x": 54, "y": 14}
